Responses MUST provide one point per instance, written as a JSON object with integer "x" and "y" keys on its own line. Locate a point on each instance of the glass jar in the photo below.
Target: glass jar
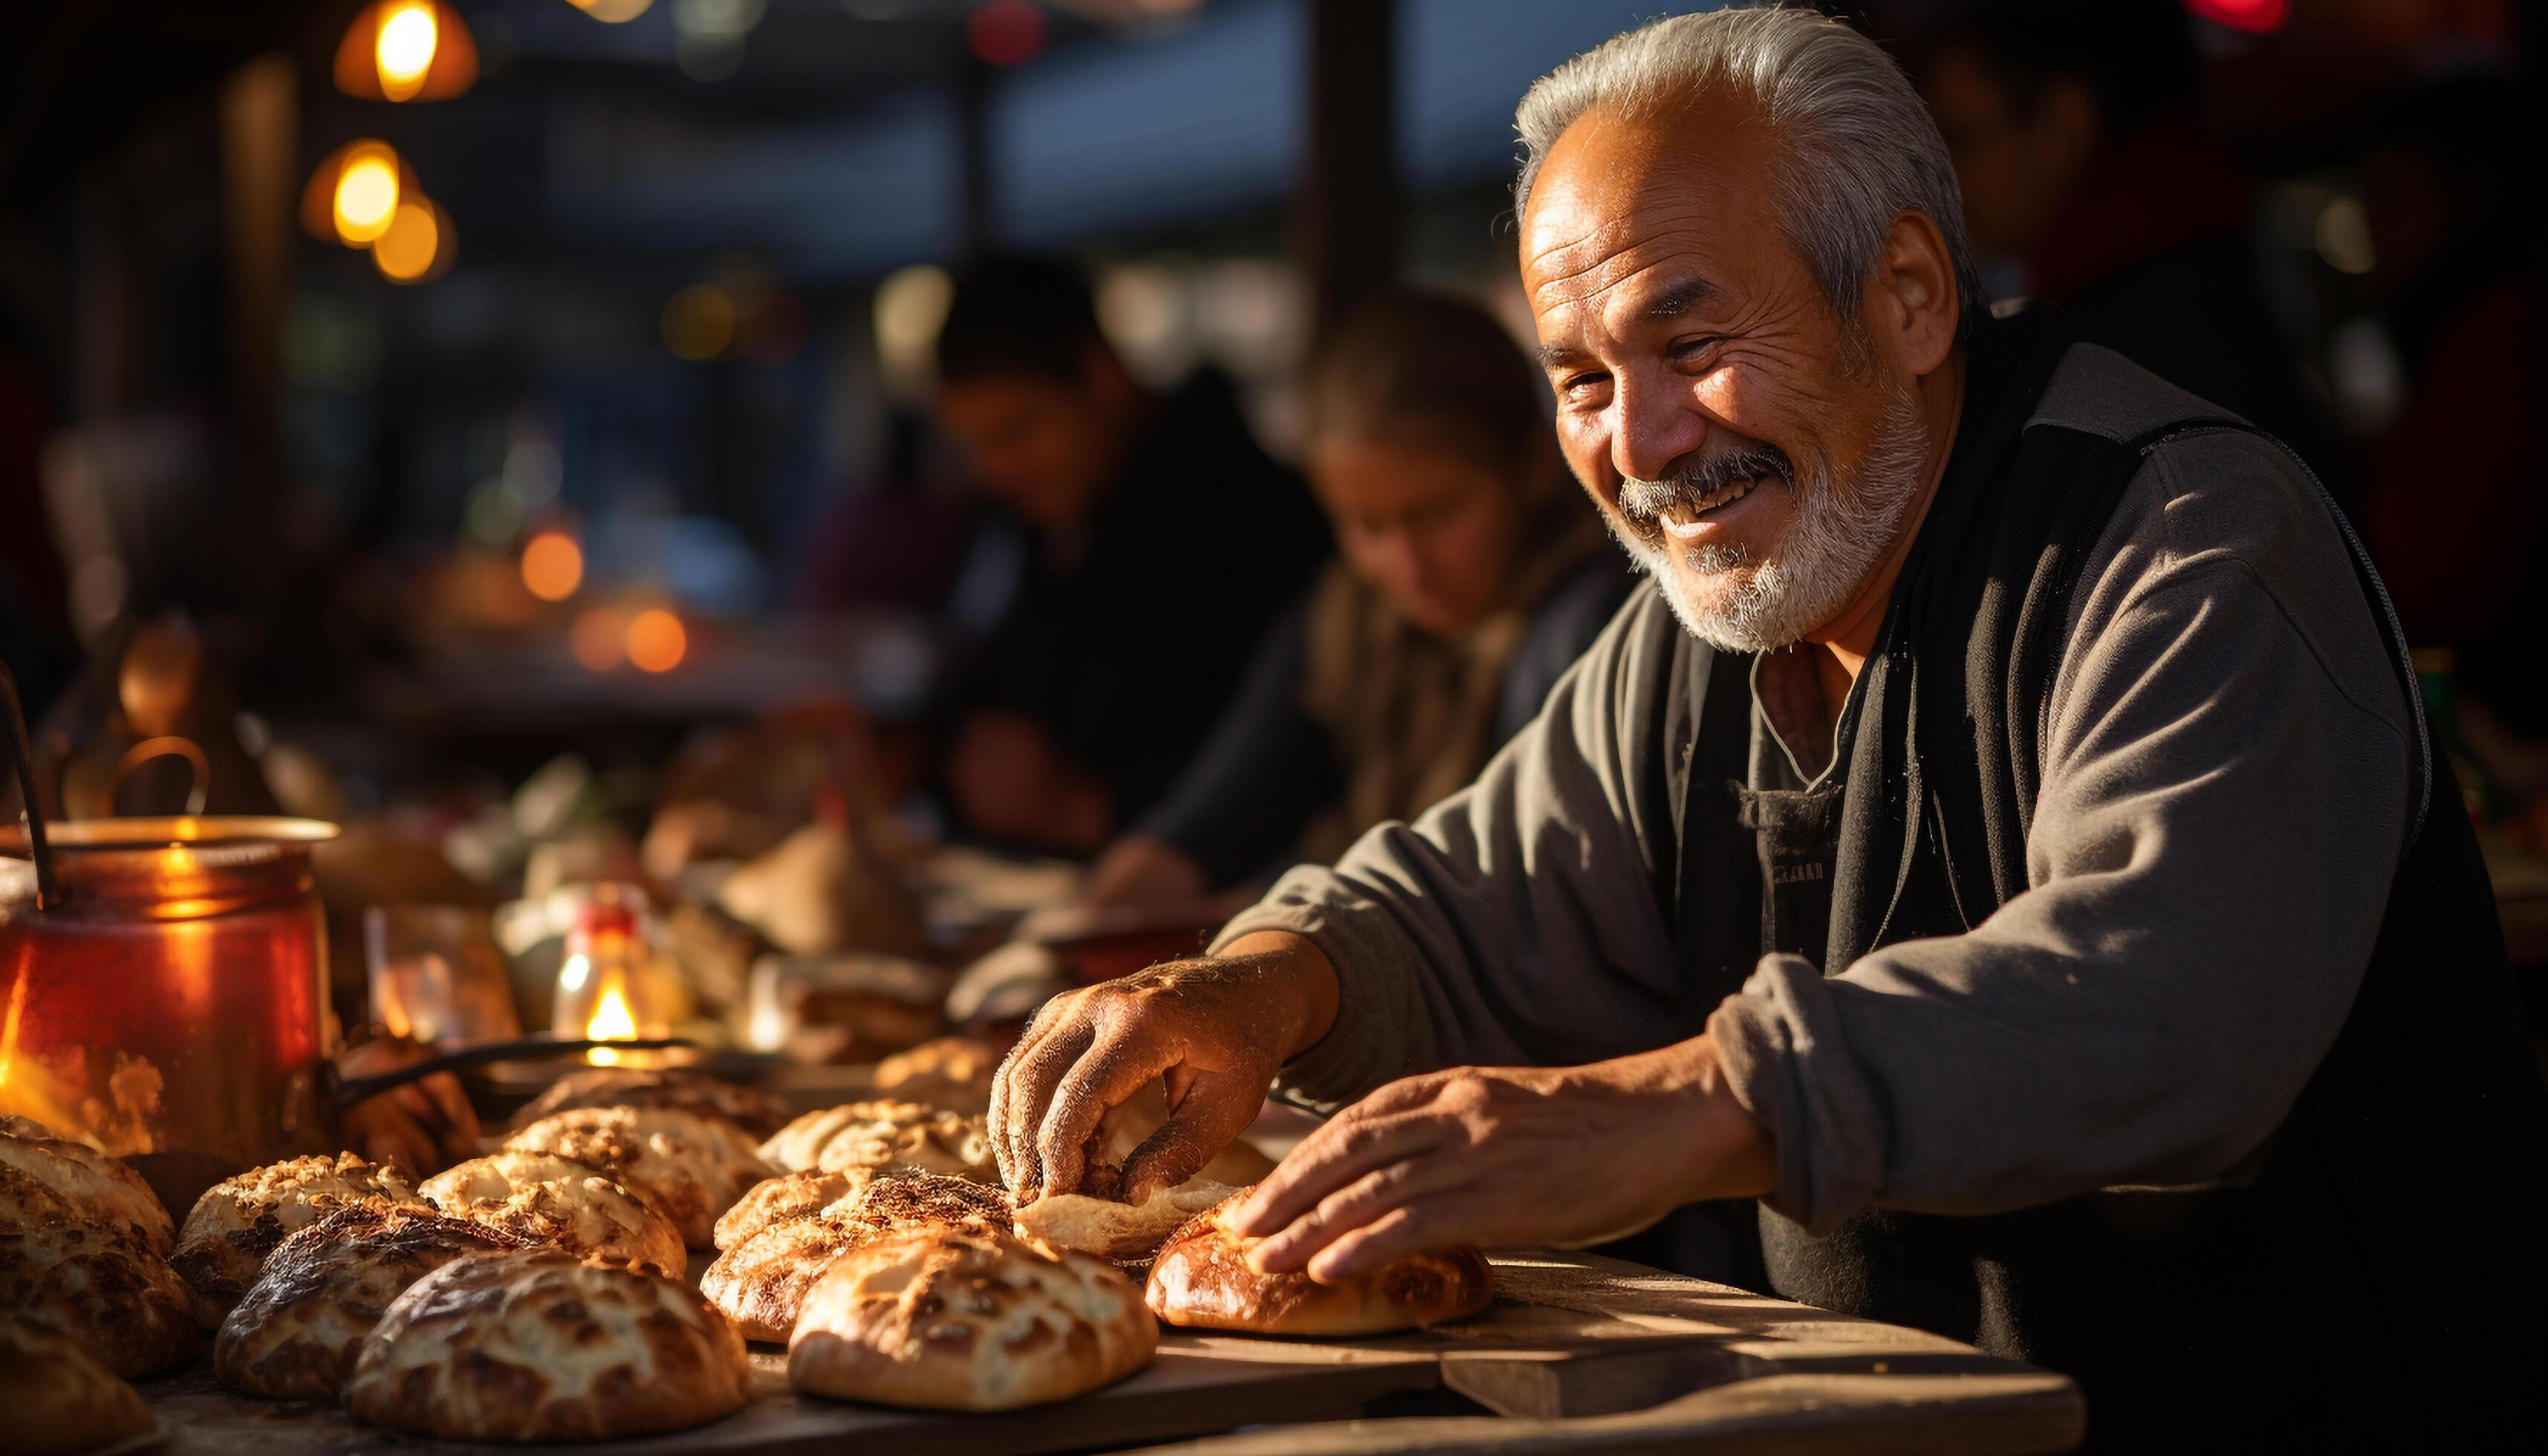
{"x": 172, "y": 1007}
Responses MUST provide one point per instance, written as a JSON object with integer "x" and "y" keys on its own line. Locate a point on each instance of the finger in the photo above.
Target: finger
{"x": 418, "y": 1104}
{"x": 1359, "y": 1204}
{"x": 1007, "y": 1149}
{"x": 1330, "y": 1158}
{"x": 1112, "y": 1071}
{"x": 1409, "y": 1229}
{"x": 1214, "y": 1108}
{"x": 1031, "y": 1097}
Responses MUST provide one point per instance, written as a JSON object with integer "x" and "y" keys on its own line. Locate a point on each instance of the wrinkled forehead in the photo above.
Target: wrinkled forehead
{"x": 1623, "y": 200}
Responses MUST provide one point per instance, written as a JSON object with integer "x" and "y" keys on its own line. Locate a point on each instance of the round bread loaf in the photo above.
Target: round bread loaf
{"x": 540, "y": 1345}
{"x": 952, "y": 1072}
{"x": 58, "y": 1398}
{"x": 797, "y": 1195}
{"x": 102, "y": 1188}
{"x": 96, "y": 1283}
{"x": 1201, "y": 1279}
{"x": 912, "y": 1140}
{"x": 756, "y": 1112}
{"x": 967, "y": 1319}
{"x": 760, "y": 1282}
{"x": 691, "y": 1166}
{"x": 1125, "y": 1232}
{"x": 239, "y": 1220}
{"x": 296, "y": 1333}
{"x": 563, "y": 1204}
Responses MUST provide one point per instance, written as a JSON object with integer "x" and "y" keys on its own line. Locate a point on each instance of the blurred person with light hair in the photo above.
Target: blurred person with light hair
{"x": 1466, "y": 581}
{"x": 2005, "y": 845}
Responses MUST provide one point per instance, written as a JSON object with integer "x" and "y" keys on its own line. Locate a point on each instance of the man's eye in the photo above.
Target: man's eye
{"x": 1578, "y": 384}
{"x": 1691, "y": 348}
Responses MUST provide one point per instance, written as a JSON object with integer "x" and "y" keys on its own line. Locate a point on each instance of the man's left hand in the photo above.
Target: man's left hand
{"x": 1502, "y": 1156}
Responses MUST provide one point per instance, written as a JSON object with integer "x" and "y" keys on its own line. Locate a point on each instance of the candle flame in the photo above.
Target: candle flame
{"x": 611, "y": 1022}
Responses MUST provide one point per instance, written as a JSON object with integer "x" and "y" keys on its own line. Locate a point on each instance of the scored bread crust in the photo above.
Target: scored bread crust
{"x": 562, "y": 1203}
{"x": 539, "y": 1345}
{"x": 760, "y": 1283}
{"x": 692, "y": 1167}
{"x": 934, "y": 1140}
{"x": 952, "y": 1072}
{"x": 1107, "y": 1230}
{"x": 58, "y": 1397}
{"x": 96, "y": 1283}
{"x": 103, "y": 1189}
{"x": 1201, "y": 1279}
{"x": 749, "y": 1108}
{"x": 239, "y": 1220}
{"x": 967, "y": 1319}
{"x": 325, "y": 1287}
{"x": 799, "y": 1195}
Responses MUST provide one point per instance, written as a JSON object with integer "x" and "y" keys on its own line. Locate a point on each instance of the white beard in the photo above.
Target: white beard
{"x": 1829, "y": 549}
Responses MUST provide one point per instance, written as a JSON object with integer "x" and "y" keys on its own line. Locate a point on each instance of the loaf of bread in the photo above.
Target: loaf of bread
{"x": 1202, "y": 1280}
{"x": 539, "y": 1345}
{"x": 760, "y": 1282}
{"x": 691, "y": 1166}
{"x": 754, "y": 1111}
{"x": 966, "y": 1319}
{"x": 95, "y": 1282}
{"x": 1125, "y": 1232}
{"x": 562, "y": 1203}
{"x": 58, "y": 1397}
{"x": 239, "y": 1220}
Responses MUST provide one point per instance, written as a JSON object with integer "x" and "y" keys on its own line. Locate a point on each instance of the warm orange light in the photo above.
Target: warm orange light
{"x": 418, "y": 244}
{"x": 367, "y": 196}
{"x": 599, "y": 638}
{"x": 656, "y": 640}
{"x": 613, "y": 12}
{"x": 552, "y": 566}
{"x": 611, "y": 1021}
{"x": 699, "y": 322}
{"x": 403, "y": 50}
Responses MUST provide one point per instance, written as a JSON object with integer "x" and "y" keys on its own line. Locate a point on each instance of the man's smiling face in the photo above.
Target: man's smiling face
{"x": 1744, "y": 441}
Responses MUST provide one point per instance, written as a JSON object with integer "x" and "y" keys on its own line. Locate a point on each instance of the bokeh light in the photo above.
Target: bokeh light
{"x": 2343, "y": 237}
{"x": 552, "y": 566}
{"x": 404, "y": 50}
{"x": 2256, "y": 17}
{"x": 1005, "y": 32}
{"x": 910, "y": 308}
{"x": 366, "y": 196}
{"x": 614, "y": 12}
{"x": 657, "y": 640}
{"x": 417, "y": 244}
{"x": 699, "y": 322}
{"x": 599, "y": 638}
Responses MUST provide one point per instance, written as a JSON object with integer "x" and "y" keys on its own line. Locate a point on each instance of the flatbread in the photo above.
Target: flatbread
{"x": 1124, "y": 1233}
{"x": 966, "y": 1319}
{"x": 539, "y": 1345}
{"x": 562, "y": 1203}
{"x": 294, "y": 1337}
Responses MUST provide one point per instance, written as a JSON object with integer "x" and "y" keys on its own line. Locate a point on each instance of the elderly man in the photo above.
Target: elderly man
{"x": 2005, "y": 845}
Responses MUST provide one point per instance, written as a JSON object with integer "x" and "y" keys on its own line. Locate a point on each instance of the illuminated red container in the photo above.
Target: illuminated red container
{"x": 173, "y": 1008}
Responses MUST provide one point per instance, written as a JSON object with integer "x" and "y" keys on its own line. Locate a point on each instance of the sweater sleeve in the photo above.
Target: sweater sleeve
{"x": 1516, "y": 921}
{"x": 2225, "y": 801}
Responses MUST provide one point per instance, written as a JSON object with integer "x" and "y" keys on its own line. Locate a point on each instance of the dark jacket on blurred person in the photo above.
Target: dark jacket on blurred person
{"x": 1128, "y": 630}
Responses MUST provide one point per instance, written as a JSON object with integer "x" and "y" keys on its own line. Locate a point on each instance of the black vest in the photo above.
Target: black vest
{"x": 2352, "y": 1283}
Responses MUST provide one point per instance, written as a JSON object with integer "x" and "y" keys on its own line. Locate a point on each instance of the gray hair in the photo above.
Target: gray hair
{"x": 1859, "y": 147}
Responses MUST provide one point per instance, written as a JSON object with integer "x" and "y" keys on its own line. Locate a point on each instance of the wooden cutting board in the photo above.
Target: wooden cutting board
{"x": 1576, "y": 1353}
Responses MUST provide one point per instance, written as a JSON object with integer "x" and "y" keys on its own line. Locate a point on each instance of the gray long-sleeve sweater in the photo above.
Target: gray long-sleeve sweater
{"x": 2224, "y": 801}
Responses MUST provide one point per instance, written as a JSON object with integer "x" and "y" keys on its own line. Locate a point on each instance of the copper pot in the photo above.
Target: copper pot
{"x": 168, "y": 999}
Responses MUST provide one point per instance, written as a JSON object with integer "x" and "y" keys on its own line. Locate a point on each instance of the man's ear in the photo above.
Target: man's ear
{"x": 1911, "y": 305}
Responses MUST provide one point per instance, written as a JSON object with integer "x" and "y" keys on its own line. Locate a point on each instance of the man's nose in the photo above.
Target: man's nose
{"x": 1652, "y": 425}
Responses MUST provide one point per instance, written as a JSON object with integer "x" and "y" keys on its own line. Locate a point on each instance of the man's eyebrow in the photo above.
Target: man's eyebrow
{"x": 1557, "y": 356}
{"x": 1679, "y": 299}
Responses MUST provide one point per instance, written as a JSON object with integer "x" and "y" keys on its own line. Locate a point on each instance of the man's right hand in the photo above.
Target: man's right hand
{"x": 1215, "y": 1028}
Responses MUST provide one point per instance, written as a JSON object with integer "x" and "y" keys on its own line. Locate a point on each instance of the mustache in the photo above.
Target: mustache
{"x": 1645, "y": 502}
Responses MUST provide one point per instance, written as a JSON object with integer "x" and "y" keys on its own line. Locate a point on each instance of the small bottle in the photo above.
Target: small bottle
{"x": 600, "y": 983}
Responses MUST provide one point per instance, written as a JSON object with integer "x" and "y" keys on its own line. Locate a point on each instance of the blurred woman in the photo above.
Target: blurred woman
{"x": 1469, "y": 576}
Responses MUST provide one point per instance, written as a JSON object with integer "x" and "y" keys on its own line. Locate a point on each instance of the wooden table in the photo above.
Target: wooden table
{"x": 1578, "y": 1353}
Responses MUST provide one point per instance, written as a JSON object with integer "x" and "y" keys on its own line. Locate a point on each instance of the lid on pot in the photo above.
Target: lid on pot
{"x": 159, "y": 831}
